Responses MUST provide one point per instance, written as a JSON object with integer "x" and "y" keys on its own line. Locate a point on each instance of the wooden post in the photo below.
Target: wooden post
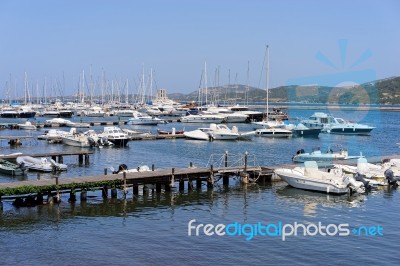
{"x": 125, "y": 188}
{"x": 58, "y": 198}
{"x": 190, "y": 185}
{"x": 245, "y": 161}
{"x": 226, "y": 159}
{"x": 113, "y": 193}
{"x": 80, "y": 158}
{"x": 105, "y": 171}
{"x": 135, "y": 190}
{"x": 225, "y": 180}
{"x": 54, "y": 158}
{"x": 181, "y": 185}
{"x": 158, "y": 187}
{"x": 104, "y": 192}
{"x": 198, "y": 183}
{"x": 210, "y": 179}
{"x": 39, "y": 198}
{"x": 172, "y": 181}
{"x": 191, "y": 165}
{"x": 152, "y": 167}
{"x": 72, "y": 196}
{"x": 83, "y": 195}
{"x": 60, "y": 159}
{"x": 87, "y": 161}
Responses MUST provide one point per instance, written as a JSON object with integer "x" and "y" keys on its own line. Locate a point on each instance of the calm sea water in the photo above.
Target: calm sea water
{"x": 153, "y": 229}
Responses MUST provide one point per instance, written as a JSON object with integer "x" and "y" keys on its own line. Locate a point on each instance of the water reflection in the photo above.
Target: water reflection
{"x": 144, "y": 204}
{"x": 311, "y": 200}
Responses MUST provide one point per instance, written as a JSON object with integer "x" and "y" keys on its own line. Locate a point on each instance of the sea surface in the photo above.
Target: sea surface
{"x": 153, "y": 229}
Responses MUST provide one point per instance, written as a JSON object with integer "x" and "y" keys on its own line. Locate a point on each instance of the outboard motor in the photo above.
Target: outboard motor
{"x": 121, "y": 167}
{"x": 391, "y": 178}
{"x": 353, "y": 184}
{"x": 301, "y": 151}
{"x": 361, "y": 178}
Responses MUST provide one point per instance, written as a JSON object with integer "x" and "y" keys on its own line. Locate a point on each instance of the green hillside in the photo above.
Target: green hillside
{"x": 385, "y": 91}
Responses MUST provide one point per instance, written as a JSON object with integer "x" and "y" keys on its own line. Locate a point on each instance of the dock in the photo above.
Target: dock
{"x": 160, "y": 179}
{"x": 31, "y": 192}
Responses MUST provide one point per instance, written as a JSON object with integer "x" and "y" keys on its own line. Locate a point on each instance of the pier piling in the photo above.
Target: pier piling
{"x": 83, "y": 195}
{"x": 136, "y": 190}
{"x": 104, "y": 192}
{"x": 210, "y": 179}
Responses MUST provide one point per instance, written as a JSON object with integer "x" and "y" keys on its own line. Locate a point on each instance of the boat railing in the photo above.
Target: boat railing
{"x": 233, "y": 160}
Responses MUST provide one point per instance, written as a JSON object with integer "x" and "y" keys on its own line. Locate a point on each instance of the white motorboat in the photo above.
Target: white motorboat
{"x": 94, "y": 111}
{"x": 370, "y": 170}
{"x": 221, "y": 132}
{"x": 123, "y": 168}
{"x": 132, "y": 134}
{"x": 310, "y": 177}
{"x": 202, "y": 118}
{"x": 317, "y": 155}
{"x": 40, "y": 164}
{"x": 141, "y": 119}
{"x": 77, "y": 124}
{"x": 332, "y": 125}
{"x": 27, "y": 126}
{"x": 85, "y": 139}
{"x": 124, "y": 113}
{"x": 274, "y": 133}
{"x": 58, "y": 122}
{"x": 268, "y": 124}
{"x": 115, "y": 135}
{"x": 248, "y": 135}
{"x": 54, "y": 135}
{"x": 199, "y": 134}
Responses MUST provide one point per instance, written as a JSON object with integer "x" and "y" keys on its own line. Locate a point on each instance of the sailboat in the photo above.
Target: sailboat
{"x": 269, "y": 129}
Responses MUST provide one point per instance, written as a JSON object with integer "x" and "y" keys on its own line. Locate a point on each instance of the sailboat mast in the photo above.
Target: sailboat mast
{"x": 205, "y": 78}
{"x": 267, "y": 81}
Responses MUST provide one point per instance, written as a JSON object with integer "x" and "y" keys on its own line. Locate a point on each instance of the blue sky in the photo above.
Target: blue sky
{"x": 175, "y": 37}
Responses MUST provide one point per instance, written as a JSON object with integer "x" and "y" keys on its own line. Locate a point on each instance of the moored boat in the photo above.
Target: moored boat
{"x": 10, "y": 168}
{"x": 316, "y": 155}
{"x": 310, "y": 177}
{"x": 40, "y": 164}
{"x": 115, "y": 135}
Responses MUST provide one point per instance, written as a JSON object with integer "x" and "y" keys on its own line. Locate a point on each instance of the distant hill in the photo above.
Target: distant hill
{"x": 384, "y": 91}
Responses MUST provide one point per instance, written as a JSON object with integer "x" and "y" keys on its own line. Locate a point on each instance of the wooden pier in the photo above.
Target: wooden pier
{"x": 163, "y": 179}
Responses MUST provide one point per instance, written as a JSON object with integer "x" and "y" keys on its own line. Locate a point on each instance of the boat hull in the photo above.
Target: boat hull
{"x": 350, "y": 131}
{"x": 301, "y": 182}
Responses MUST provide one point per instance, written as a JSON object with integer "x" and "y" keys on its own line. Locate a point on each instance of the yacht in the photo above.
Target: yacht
{"x": 115, "y": 135}
{"x": 202, "y": 118}
{"x": 141, "y": 119}
{"x": 329, "y": 124}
